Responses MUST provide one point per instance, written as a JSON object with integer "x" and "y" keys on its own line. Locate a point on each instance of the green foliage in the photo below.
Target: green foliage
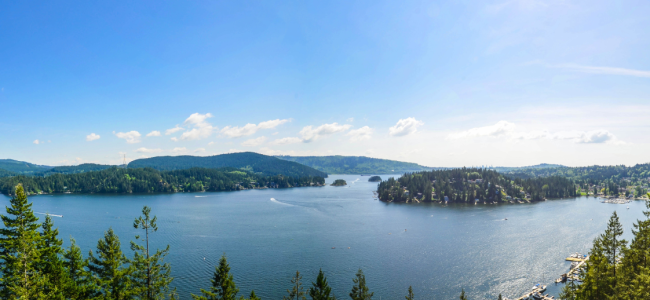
{"x": 462, "y": 295}
{"x": 150, "y": 276}
{"x": 80, "y": 284}
{"x": 458, "y": 186}
{"x": 20, "y": 251}
{"x": 320, "y": 289}
{"x": 374, "y": 179}
{"x": 147, "y": 180}
{"x": 223, "y": 284}
{"x": 109, "y": 268}
{"x": 255, "y": 162}
{"x": 50, "y": 265}
{"x": 21, "y": 167}
{"x": 360, "y": 291}
{"x": 296, "y": 292}
{"x": 355, "y": 164}
{"x": 410, "y": 296}
{"x": 339, "y": 182}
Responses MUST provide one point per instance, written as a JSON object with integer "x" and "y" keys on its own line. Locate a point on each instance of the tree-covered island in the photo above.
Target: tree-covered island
{"x": 374, "y": 179}
{"x": 469, "y": 185}
{"x": 339, "y": 182}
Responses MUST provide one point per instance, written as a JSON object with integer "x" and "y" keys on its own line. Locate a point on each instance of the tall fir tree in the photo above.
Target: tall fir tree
{"x": 19, "y": 251}
{"x": 253, "y": 296}
{"x": 151, "y": 277}
{"x": 80, "y": 284}
{"x": 462, "y": 295}
{"x": 360, "y": 291}
{"x": 223, "y": 284}
{"x": 296, "y": 292}
{"x": 110, "y": 268}
{"x": 51, "y": 264}
{"x": 320, "y": 289}
{"x": 410, "y": 296}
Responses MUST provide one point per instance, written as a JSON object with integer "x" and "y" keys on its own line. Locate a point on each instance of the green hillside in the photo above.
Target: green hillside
{"x": 78, "y": 169}
{"x": 249, "y": 161}
{"x": 355, "y": 164}
{"x": 21, "y": 167}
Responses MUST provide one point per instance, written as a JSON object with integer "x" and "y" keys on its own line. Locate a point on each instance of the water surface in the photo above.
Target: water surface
{"x": 435, "y": 248}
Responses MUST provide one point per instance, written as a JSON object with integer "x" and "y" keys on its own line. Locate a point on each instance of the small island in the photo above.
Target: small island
{"x": 374, "y": 179}
{"x": 339, "y": 182}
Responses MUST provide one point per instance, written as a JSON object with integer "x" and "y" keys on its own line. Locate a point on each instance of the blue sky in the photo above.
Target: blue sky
{"x": 442, "y": 84}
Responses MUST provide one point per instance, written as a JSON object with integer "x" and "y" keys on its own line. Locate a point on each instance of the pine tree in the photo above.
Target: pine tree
{"x": 500, "y": 298}
{"x": 80, "y": 284}
{"x": 360, "y": 290}
{"x": 296, "y": 292}
{"x": 568, "y": 291}
{"x": 19, "y": 250}
{"x": 223, "y": 284}
{"x": 109, "y": 268}
{"x": 410, "y": 294}
{"x": 51, "y": 265}
{"x": 150, "y": 276}
{"x": 253, "y": 296}
{"x": 462, "y": 295}
{"x": 320, "y": 289}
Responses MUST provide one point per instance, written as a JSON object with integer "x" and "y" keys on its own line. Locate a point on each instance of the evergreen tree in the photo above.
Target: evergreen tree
{"x": 223, "y": 284}
{"x": 150, "y": 276}
{"x": 51, "y": 265}
{"x": 360, "y": 290}
{"x": 320, "y": 289}
{"x": 110, "y": 268}
{"x": 19, "y": 250}
{"x": 500, "y": 298}
{"x": 410, "y": 294}
{"x": 296, "y": 292}
{"x": 253, "y": 296}
{"x": 462, "y": 295}
{"x": 568, "y": 291}
{"x": 80, "y": 284}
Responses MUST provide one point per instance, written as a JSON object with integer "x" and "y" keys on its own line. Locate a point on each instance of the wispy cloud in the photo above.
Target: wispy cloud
{"x": 92, "y": 137}
{"x": 249, "y": 129}
{"x": 498, "y": 129}
{"x": 154, "y": 133}
{"x": 179, "y": 150}
{"x": 174, "y": 130}
{"x": 254, "y": 142}
{"x": 604, "y": 70}
{"x": 405, "y": 127}
{"x": 146, "y": 150}
{"x": 309, "y": 134}
{"x": 37, "y": 142}
{"x": 131, "y": 137}
{"x": 363, "y": 133}
{"x": 287, "y": 140}
{"x": 201, "y": 128}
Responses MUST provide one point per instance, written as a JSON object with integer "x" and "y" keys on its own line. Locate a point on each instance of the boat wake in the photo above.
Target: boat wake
{"x": 200, "y": 196}
{"x": 60, "y": 216}
{"x": 278, "y": 202}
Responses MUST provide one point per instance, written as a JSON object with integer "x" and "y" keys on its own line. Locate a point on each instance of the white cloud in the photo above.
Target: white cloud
{"x": 131, "y": 137}
{"x": 604, "y": 70}
{"x": 363, "y": 133}
{"x": 210, "y": 143}
{"x": 146, "y": 150}
{"x": 275, "y": 133}
{"x": 201, "y": 130}
{"x": 254, "y": 142}
{"x": 36, "y": 142}
{"x": 199, "y": 150}
{"x": 179, "y": 150}
{"x": 249, "y": 129}
{"x": 92, "y": 137}
{"x": 350, "y": 120}
{"x": 154, "y": 133}
{"x": 174, "y": 139}
{"x": 269, "y": 151}
{"x": 498, "y": 129}
{"x": 507, "y": 129}
{"x": 173, "y": 130}
{"x": 405, "y": 127}
{"x": 309, "y": 133}
{"x": 287, "y": 140}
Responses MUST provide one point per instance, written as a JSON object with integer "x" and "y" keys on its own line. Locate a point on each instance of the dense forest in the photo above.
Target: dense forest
{"x": 249, "y": 161}
{"x": 467, "y": 185}
{"x": 76, "y": 169}
{"x": 606, "y": 180}
{"x": 35, "y": 265}
{"x": 355, "y": 164}
{"x": 148, "y": 180}
{"x": 21, "y": 167}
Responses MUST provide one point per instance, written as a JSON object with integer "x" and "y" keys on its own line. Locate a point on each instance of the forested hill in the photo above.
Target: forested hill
{"x": 249, "y": 161}
{"x": 467, "y": 185}
{"x": 147, "y": 180}
{"x": 78, "y": 169}
{"x": 355, "y": 164}
{"x": 21, "y": 167}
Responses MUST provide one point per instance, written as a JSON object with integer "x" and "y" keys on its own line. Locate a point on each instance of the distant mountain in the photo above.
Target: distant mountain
{"x": 514, "y": 169}
{"x": 355, "y": 164}
{"x": 78, "y": 169}
{"x": 250, "y": 161}
{"x": 22, "y": 167}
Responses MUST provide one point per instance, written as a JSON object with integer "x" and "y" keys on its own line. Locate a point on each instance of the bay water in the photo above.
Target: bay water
{"x": 270, "y": 234}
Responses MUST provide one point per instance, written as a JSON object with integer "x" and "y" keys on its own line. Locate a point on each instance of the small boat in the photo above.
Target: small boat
{"x": 506, "y": 219}
{"x": 333, "y": 247}
{"x": 628, "y": 207}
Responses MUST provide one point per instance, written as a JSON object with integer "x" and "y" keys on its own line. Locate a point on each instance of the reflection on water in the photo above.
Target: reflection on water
{"x": 269, "y": 234}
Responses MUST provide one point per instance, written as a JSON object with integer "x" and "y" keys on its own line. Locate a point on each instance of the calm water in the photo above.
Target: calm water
{"x": 435, "y": 248}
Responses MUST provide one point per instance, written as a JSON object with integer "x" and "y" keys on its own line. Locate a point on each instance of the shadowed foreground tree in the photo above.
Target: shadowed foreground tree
{"x": 410, "y": 294}
{"x": 320, "y": 289}
{"x": 360, "y": 290}
{"x": 109, "y": 268}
